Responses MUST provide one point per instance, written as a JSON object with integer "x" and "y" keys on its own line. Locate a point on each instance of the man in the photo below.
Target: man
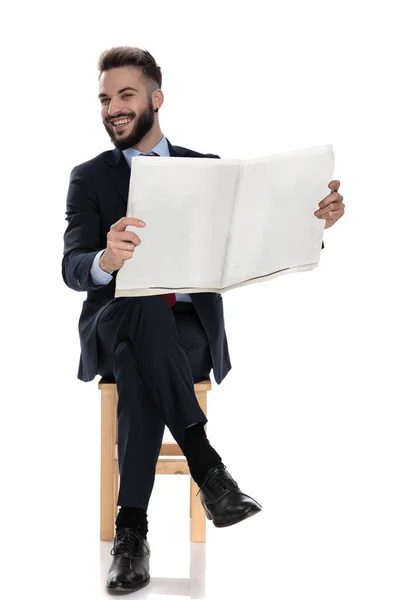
{"x": 155, "y": 347}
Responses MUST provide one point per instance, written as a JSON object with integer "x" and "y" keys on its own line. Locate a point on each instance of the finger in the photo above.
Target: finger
{"x": 334, "y": 185}
{"x": 333, "y": 197}
{"x": 135, "y": 241}
{"x": 123, "y": 236}
{"x": 125, "y": 222}
{"x": 127, "y": 236}
{"x": 334, "y": 206}
{"x": 332, "y": 215}
{"x": 125, "y": 254}
{"x": 126, "y": 246}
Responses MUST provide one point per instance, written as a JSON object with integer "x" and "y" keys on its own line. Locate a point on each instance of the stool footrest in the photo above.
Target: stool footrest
{"x": 172, "y": 466}
{"x": 170, "y": 449}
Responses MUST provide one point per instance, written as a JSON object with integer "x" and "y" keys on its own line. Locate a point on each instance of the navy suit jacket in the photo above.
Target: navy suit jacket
{"x": 97, "y": 198}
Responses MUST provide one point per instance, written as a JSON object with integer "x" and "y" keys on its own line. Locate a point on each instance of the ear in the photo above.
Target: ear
{"x": 158, "y": 98}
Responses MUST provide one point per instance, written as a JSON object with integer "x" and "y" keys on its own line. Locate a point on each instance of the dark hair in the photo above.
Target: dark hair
{"x": 122, "y": 56}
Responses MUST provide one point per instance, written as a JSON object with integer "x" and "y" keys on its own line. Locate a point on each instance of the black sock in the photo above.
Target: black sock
{"x": 132, "y": 517}
{"x": 200, "y": 455}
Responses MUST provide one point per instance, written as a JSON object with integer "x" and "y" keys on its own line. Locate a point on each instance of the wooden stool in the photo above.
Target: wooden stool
{"x": 173, "y": 465}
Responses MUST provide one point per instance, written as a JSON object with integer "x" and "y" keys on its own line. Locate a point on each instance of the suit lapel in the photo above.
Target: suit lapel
{"x": 119, "y": 172}
{"x": 176, "y": 150}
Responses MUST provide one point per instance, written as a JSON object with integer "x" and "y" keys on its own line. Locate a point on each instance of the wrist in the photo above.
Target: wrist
{"x": 104, "y": 265}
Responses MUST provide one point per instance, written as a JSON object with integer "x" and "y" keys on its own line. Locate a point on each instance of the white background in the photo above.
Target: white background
{"x": 307, "y": 421}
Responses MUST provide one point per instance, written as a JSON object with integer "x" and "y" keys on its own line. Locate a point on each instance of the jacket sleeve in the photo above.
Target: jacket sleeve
{"x": 82, "y": 236}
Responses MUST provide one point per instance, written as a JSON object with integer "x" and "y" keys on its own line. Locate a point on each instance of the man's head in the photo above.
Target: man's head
{"x": 129, "y": 87}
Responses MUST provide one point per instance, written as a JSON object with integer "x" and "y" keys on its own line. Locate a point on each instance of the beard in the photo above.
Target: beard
{"x": 141, "y": 126}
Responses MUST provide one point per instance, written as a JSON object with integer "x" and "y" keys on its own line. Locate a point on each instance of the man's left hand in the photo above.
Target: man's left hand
{"x": 331, "y": 208}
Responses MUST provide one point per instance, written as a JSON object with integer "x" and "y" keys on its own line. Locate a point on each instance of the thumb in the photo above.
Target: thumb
{"x": 334, "y": 185}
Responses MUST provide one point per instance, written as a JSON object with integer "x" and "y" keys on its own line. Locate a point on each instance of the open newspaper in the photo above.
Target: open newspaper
{"x": 215, "y": 225}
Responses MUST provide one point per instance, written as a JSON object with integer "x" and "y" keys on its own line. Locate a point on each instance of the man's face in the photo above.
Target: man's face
{"x": 123, "y": 96}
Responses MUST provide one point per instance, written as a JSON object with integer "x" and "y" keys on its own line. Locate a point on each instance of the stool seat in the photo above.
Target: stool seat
{"x": 106, "y": 380}
{"x": 202, "y": 386}
{"x": 171, "y": 462}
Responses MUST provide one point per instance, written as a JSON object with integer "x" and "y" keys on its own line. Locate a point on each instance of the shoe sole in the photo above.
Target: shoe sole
{"x": 125, "y": 588}
{"x": 247, "y": 515}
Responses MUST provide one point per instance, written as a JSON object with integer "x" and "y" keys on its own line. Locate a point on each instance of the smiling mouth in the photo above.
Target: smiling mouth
{"x": 121, "y": 124}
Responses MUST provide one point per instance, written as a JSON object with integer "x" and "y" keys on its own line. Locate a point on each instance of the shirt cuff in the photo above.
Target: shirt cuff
{"x": 99, "y": 276}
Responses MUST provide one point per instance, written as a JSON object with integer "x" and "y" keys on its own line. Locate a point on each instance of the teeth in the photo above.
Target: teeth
{"x": 121, "y": 122}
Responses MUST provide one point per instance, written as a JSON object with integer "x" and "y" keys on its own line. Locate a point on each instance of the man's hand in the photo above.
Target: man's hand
{"x": 121, "y": 244}
{"x": 331, "y": 208}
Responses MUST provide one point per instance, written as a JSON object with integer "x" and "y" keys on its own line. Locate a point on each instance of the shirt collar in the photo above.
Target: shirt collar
{"x": 161, "y": 149}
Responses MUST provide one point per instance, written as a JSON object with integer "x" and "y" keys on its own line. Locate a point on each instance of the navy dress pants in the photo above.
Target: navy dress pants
{"x": 155, "y": 354}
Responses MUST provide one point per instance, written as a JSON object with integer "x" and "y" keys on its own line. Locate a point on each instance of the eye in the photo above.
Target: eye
{"x": 103, "y": 100}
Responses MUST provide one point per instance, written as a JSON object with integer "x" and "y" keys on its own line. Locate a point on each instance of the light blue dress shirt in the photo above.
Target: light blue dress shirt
{"x": 99, "y": 276}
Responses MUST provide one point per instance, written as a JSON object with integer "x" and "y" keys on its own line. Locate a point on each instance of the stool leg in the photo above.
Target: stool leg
{"x": 116, "y": 487}
{"x": 107, "y": 470}
{"x": 116, "y": 466}
{"x": 197, "y": 513}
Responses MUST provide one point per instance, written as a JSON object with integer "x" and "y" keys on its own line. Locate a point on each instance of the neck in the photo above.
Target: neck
{"x": 151, "y": 139}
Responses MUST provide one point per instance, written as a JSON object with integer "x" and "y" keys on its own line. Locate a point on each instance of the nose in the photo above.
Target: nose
{"x": 114, "y": 108}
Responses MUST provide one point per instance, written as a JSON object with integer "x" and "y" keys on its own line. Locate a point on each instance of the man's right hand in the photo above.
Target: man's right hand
{"x": 121, "y": 244}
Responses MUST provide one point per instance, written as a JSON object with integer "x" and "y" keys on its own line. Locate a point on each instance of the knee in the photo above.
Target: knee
{"x": 123, "y": 354}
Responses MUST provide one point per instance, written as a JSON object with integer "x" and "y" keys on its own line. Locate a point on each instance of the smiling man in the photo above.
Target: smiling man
{"x": 137, "y": 118}
{"x": 155, "y": 347}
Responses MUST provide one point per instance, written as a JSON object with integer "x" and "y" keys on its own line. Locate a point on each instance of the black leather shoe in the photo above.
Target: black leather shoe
{"x": 224, "y": 503}
{"x": 130, "y": 566}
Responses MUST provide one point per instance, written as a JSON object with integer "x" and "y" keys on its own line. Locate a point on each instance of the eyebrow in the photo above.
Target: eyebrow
{"x": 119, "y": 92}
